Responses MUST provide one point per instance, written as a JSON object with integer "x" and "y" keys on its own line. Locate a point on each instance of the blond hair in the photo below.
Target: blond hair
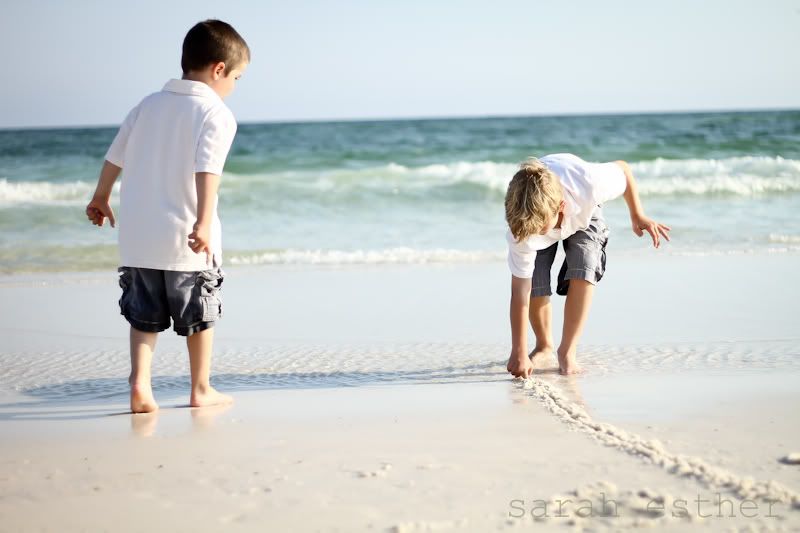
{"x": 533, "y": 198}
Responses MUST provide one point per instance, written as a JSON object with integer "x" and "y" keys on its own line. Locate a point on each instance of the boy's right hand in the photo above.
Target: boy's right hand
{"x": 519, "y": 365}
{"x": 98, "y": 210}
{"x": 200, "y": 239}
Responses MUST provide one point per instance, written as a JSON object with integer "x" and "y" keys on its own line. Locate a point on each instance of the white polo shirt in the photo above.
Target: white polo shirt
{"x": 585, "y": 186}
{"x": 183, "y": 129}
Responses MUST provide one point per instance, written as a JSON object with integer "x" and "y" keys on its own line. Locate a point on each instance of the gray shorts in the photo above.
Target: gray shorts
{"x": 585, "y": 258}
{"x": 151, "y": 297}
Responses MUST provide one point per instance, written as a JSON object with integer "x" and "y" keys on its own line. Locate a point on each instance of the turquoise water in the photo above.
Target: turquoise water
{"x": 421, "y": 190}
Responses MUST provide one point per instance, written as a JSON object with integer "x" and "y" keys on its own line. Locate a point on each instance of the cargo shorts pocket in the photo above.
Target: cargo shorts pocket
{"x": 125, "y": 281}
{"x": 603, "y": 239}
{"x": 210, "y": 282}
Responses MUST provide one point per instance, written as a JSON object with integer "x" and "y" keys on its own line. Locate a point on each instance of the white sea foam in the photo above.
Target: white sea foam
{"x": 784, "y": 239}
{"x": 367, "y": 257}
{"x": 410, "y": 256}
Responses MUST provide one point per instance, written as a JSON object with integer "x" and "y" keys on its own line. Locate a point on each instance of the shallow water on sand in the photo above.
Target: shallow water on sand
{"x": 93, "y": 375}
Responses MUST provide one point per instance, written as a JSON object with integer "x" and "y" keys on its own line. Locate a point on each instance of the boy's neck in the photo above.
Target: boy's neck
{"x": 197, "y": 76}
{"x": 560, "y": 219}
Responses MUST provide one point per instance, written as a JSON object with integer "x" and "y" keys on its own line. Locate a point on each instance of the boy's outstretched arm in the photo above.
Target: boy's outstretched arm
{"x": 639, "y": 221}
{"x": 99, "y": 207}
{"x": 518, "y": 362}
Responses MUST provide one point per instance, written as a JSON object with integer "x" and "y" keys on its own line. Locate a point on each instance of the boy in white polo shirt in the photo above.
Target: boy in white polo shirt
{"x": 173, "y": 147}
{"x": 558, "y": 198}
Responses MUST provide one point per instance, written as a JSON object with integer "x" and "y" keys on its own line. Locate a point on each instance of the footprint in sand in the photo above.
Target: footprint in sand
{"x": 791, "y": 459}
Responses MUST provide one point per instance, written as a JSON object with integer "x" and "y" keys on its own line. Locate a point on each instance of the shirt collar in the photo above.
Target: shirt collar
{"x": 197, "y": 88}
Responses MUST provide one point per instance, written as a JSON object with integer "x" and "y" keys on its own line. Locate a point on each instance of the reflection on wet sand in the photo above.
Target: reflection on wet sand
{"x": 203, "y": 417}
{"x": 144, "y": 424}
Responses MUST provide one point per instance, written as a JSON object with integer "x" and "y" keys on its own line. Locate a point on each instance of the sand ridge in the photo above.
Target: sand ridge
{"x": 654, "y": 451}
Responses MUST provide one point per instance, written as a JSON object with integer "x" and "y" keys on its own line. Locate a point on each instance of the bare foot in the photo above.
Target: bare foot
{"x": 142, "y": 400}
{"x": 567, "y": 364}
{"x": 541, "y": 356}
{"x": 207, "y": 396}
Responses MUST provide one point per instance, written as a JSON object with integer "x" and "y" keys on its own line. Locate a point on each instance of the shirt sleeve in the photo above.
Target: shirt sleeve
{"x": 522, "y": 255}
{"x": 216, "y": 137}
{"x": 116, "y": 152}
{"x": 607, "y": 180}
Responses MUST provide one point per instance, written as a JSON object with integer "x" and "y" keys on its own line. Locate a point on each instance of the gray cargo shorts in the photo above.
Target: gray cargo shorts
{"x": 150, "y": 298}
{"x": 585, "y": 258}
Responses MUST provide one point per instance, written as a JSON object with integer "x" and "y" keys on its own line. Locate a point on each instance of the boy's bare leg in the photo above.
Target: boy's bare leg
{"x": 576, "y": 310}
{"x": 200, "y": 345}
{"x": 541, "y": 316}
{"x": 143, "y": 344}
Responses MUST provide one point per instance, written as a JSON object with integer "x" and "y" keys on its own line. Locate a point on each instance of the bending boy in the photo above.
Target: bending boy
{"x": 558, "y": 198}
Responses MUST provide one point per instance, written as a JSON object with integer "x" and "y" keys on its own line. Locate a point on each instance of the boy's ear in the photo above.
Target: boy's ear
{"x": 561, "y": 206}
{"x": 218, "y": 70}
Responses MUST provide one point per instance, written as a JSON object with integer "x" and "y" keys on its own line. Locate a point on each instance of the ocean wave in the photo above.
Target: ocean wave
{"x": 363, "y": 257}
{"x": 769, "y": 250}
{"x": 45, "y": 192}
{"x": 461, "y": 180}
{"x": 390, "y": 179}
{"x": 784, "y": 239}
{"x": 738, "y": 176}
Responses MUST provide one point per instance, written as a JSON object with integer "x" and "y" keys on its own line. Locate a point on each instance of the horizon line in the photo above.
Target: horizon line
{"x": 356, "y": 120}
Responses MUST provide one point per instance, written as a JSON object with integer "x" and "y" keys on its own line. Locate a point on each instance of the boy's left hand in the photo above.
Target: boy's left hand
{"x": 642, "y": 223}
{"x": 98, "y": 210}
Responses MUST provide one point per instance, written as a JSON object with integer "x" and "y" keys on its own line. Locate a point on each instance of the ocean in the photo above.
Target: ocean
{"x": 421, "y": 191}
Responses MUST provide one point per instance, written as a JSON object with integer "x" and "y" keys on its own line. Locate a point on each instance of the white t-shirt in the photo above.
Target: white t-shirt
{"x": 183, "y": 129}
{"x": 585, "y": 186}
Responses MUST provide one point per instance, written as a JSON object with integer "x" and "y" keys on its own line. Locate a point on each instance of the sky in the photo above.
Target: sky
{"x": 81, "y": 62}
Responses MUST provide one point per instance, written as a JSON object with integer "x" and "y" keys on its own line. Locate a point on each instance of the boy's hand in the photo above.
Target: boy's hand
{"x": 642, "y": 223}
{"x": 519, "y": 365}
{"x": 98, "y": 210}
{"x": 200, "y": 238}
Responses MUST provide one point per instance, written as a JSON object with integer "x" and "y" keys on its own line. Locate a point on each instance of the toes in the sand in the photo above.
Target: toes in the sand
{"x": 567, "y": 364}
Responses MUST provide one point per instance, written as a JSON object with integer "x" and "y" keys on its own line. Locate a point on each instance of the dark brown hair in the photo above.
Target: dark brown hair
{"x": 212, "y": 41}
